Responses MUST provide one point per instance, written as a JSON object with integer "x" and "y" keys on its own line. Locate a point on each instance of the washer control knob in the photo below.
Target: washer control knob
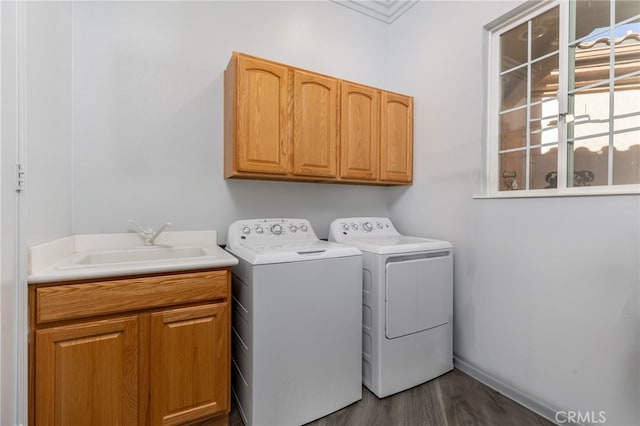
{"x": 293, "y": 228}
{"x": 276, "y": 229}
{"x": 246, "y": 230}
{"x": 367, "y": 226}
{"x": 379, "y": 225}
{"x": 354, "y": 226}
{"x": 303, "y": 228}
{"x": 259, "y": 230}
{"x": 345, "y": 226}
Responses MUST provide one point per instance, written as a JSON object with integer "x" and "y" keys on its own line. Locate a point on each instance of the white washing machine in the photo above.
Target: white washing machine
{"x": 296, "y": 346}
{"x": 407, "y": 310}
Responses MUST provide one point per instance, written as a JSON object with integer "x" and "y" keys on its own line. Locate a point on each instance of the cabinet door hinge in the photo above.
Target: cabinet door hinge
{"x": 20, "y": 173}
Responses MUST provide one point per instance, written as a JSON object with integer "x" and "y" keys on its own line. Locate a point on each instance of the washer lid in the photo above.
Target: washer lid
{"x": 398, "y": 244}
{"x": 280, "y": 240}
{"x": 291, "y": 251}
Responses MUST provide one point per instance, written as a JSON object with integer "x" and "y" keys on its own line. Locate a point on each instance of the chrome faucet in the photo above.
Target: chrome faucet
{"x": 147, "y": 234}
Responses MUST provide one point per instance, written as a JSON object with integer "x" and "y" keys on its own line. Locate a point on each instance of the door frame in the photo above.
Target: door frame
{"x": 13, "y": 269}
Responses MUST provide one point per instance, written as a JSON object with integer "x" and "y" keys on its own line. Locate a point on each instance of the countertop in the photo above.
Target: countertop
{"x": 62, "y": 259}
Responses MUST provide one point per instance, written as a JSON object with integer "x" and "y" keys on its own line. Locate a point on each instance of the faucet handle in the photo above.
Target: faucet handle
{"x": 140, "y": 228}
{"x": 147, "y": 234}
{"x": 152, "y": 239}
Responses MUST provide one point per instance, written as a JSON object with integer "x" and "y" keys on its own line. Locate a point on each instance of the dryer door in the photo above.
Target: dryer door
{"x": 419, "y": 293}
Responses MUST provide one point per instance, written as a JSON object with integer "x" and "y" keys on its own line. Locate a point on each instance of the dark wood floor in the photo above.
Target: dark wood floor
{"x": 450, "y": 400}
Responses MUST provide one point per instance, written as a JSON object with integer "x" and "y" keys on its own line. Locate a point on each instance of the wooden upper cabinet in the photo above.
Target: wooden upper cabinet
{"x": 315, "y": 133}
{"x": 286, "y": 123}
{"x": 256, "y": 116}
{"x": 88, "y": 373}
{"x": 396, "y": 138}
{"x": 359, "y": 131}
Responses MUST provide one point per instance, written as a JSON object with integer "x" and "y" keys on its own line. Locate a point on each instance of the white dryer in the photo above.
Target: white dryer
{"x": 407, "y": 310}
{"x": 296, "y": 347}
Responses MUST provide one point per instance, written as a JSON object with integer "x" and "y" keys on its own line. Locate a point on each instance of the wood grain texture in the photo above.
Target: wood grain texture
{"x": 88, "y": 374}
{"x": 71, "y": 301}
{"x": 359, "y": 131}
{"x": 286, "y": 123}
{"x": 396, "y": 138}
{"x": 32, "y": 353}
{"x": 144, "y": 362}
{"x": 454, "y": 399}
{"x": 189, "y": 366}
{"x": 125, "y": 368}
{"x": 262, "y": 116}
{"x": 230, "y": 116}
{"x": 315, "y": 133}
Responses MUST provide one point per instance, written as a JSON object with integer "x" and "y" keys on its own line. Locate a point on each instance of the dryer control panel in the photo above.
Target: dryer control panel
{"x": 358, "y": 227}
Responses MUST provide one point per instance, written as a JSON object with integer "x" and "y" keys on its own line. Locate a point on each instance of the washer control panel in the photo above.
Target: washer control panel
{"x": 270, "y": 230}
{"x": 358, "y": 227}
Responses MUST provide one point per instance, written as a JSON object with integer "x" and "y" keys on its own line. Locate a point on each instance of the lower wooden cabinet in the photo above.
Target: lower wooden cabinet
{"x": 189, "y": 366}
{"x": 166, "y": 363}
{"x": 87, "y": 374}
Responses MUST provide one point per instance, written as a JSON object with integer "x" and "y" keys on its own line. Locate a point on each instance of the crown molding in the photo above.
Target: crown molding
{"x": 383, "y": 10}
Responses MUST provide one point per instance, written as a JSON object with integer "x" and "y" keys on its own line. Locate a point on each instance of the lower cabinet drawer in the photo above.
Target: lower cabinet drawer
{"x": 71, "y": 301}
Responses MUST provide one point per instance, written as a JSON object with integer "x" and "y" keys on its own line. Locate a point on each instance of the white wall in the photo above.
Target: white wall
{"x": 148, "y": 109}
{"x": 48, "y": 121}
{"x": 547, "y": 291}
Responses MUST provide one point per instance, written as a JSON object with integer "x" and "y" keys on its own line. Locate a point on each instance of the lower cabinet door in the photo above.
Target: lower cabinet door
{"x": 189, "y": 372}
{"x": 87, "y": 374}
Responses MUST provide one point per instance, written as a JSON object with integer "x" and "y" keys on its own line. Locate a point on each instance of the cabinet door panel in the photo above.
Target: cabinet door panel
{"x": 262, "y": 116}
{"x": 314, "y": 129}
{"x": 396, "y": 139}
{"x": 197, "y": 340}
{"x": 87, "y": 374}
{"x": 360, "y": 132}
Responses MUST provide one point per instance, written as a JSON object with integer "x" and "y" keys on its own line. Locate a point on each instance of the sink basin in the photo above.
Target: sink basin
{"x": 100, "y": 256}
{"x": 140, "y": 255}
{"x": 144, "y": 254}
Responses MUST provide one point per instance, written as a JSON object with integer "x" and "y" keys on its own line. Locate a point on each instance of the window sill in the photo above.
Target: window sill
{"x": 583, "y": 191}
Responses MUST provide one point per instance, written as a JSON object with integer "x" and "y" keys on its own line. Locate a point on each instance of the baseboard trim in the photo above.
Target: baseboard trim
{"x": 510, "y": 392}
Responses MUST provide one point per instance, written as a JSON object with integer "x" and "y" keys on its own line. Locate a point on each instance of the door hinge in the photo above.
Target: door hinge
{"x": 19, "y": 177}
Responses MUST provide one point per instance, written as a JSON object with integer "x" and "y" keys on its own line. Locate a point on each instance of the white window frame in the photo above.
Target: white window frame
{"x": 492, "y": 142}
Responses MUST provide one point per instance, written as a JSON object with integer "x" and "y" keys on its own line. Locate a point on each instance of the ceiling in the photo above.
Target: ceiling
{"x": 383, "y": 10}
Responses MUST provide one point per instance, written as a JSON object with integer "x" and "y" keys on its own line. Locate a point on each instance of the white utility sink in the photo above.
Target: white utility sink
{"x": 140, "y": 255}
{"x": 87, "y": 256}
{"x": 135, "y": 255}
